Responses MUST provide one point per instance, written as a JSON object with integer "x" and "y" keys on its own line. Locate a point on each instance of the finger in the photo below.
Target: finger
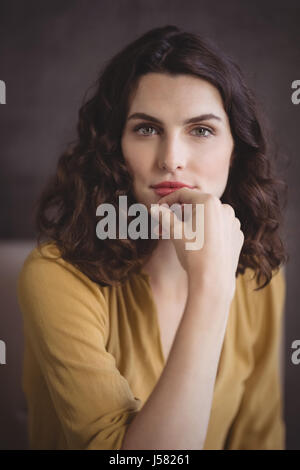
{"x": 229, "y": 209}
{"x": 170, "y": 224}
{"x": 181, "y": 195}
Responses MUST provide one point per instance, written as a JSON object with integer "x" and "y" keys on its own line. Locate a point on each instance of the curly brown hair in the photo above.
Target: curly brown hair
{"x": 93, "y": 171}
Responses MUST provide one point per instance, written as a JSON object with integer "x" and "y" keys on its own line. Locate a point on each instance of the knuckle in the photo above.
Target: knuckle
{"x": 212, "y": 199}
{"x": 237, "y": 221}
{"x": 184, "y": 189}
{"x": 229, "y": 209}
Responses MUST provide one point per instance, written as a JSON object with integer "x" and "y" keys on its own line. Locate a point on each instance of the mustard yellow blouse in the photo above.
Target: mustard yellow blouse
{"x": 93, "y": 355}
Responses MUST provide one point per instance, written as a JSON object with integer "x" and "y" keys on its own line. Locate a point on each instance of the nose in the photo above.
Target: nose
{"x": 171, "y": 155}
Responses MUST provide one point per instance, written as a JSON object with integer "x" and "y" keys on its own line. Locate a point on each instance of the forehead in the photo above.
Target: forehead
{"x": 158, "y": 90}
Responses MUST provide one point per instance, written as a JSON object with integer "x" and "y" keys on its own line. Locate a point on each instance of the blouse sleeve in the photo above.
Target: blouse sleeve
{"x": 65, "y": 319}
{"x": 259, "y": 424}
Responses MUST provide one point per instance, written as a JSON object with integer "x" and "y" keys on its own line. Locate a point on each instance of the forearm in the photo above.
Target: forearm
{"x": 177, "y": 412}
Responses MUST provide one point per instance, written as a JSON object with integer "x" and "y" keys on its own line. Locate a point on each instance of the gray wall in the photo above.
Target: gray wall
{"x": 50, "y": 52}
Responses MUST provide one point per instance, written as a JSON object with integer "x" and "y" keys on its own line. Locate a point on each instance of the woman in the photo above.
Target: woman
{"x": 141, "y": 343}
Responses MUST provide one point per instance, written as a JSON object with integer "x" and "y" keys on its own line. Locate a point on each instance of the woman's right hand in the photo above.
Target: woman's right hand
{"x": 216, "y": 262}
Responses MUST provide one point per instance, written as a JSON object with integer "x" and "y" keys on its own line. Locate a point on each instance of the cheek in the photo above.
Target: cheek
{"x": 137, "y": 166}
{"x": 217, "y": 170}
{"x": 135, "y": 158}
{"x": 213, "y": 163}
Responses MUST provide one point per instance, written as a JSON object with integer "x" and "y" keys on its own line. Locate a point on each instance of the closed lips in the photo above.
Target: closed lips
{"x": 170, "y": 184}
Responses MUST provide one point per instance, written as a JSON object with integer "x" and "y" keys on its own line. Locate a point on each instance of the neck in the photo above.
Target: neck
{"x": 165, "y": 270}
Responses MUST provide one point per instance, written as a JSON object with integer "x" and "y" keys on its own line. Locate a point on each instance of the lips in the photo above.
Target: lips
{"x": 167, "y": 187}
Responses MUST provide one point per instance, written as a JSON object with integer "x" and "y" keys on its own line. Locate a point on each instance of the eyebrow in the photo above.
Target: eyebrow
{"x": 202, "y": 117}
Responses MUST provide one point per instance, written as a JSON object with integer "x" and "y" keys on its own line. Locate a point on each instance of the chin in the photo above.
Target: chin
{"x": 143, "y": 199}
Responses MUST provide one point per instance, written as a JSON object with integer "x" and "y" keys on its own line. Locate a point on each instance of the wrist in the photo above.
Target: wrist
{"x": 208, "y": 287}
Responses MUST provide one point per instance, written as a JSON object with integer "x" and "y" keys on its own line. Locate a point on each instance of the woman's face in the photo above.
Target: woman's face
{"x": 196, "y": 153}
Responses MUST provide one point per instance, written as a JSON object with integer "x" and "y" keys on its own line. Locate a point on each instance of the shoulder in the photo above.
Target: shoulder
{"x": 265, "y": 306}
{"x": 46, "y": 261}
{"x": 47, "y": 282}
{"x": 247, "y": 282}
{"x": 46, "y": 257}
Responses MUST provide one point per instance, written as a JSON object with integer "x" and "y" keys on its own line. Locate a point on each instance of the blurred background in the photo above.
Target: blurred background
{"x": 50, "y": 54}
